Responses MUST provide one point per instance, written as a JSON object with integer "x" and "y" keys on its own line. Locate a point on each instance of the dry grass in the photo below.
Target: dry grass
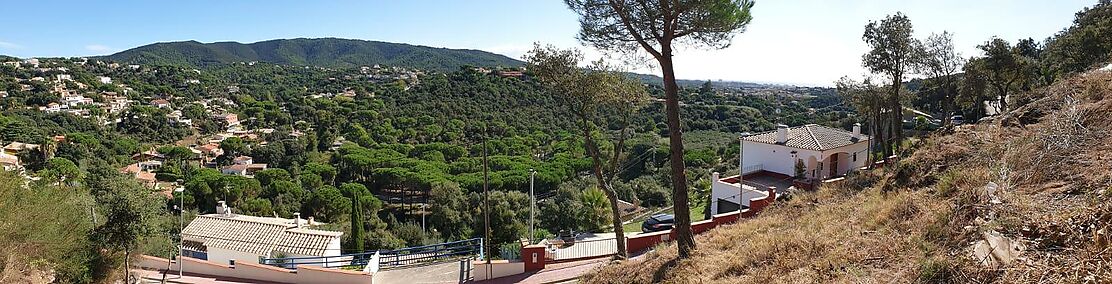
{"x": 914, "y": 222}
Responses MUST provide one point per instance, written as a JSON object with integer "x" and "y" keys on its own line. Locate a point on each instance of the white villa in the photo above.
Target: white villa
{"x": 225, "y": 236}
{"x": 826, "y": 152}
{"x": 769, "y": 160}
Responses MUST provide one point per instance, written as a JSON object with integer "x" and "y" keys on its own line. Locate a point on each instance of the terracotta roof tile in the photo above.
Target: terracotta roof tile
{"x": 810, "y": 137}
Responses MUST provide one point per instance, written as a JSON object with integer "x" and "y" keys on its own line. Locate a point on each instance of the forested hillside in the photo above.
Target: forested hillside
{"x": 397, "y": 138}
{"x": 320, "y": 52}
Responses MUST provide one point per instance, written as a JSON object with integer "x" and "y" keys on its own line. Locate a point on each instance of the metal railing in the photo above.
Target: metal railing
{"x": 387, "y": 258}
{"x": 582, "y": 249}
{"x": 752, "y": 169}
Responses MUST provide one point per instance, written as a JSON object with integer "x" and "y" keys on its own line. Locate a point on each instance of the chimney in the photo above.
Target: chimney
{"x": 310, "y": 222}
{"x": 781, "y": 134}
{"x": 221, "y": 208}
{"x": 856, "y": 131}
{"x": 297, "y": 220}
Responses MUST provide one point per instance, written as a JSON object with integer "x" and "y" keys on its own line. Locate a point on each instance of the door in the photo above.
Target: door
{"x": 833, "y": 165}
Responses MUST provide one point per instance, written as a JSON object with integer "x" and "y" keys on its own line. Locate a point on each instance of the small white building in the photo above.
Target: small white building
{"x": 826, "y": 152}
{"x": 769, "y": 160}
{"x": 225, "y": 236}
{"x": 104, "y": 79}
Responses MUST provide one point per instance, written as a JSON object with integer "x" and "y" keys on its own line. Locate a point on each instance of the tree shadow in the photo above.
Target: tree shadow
{"x": 658, "y": 276}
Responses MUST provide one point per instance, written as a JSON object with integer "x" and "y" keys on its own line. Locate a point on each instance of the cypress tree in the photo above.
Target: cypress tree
{"x": 356, "y": 222}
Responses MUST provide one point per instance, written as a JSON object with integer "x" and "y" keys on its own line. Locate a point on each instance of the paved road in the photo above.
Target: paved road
{"x": 558, "y": 273}
{"x": 447, "y": 272}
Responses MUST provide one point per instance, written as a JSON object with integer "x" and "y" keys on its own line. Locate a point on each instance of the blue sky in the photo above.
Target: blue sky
{"x": 808, "y": 42}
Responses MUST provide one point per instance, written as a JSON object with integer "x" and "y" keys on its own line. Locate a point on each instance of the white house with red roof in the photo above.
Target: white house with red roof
{"x": 826, "y": 152}
{"x": 768, "y": 161}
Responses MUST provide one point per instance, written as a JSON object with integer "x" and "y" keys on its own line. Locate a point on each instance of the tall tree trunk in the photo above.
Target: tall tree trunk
{"x": 592, "y": 150}
{"x": 127, "y": 266}
{"x": 685, "y": 241}
{"x": 897, "y": 115}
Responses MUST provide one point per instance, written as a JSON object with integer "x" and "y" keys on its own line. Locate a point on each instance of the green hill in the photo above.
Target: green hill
{"x": 323, "y": 52}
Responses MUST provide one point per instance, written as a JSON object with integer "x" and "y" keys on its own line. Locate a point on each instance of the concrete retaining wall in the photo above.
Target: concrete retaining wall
{"x": 260, "y": 272}
{"x": 498, "y": 268}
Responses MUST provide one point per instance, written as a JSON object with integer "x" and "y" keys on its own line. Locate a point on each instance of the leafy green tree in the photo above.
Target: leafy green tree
{"x": 869, "y": 100}
{"x": 63, "y": 170}
{"x": 448, "y": 208}
{"x": 287, "y": 197}
{"x": 893, "y": 52}
{"x": 233, "y": 147}
{"x": 128, "y": 211}
{"x": 588, "y": 94}
{"x": 269, "y": 176}
{"x": 656, "y": 27}
{"x": 563, "y": 211}
{"x": 326, "y": 172}
{"x": 940, "y": 62}
{"x": 310, "y": 182}
{"x": 1005, "y": 68}
{"x": 1083, "y": 44}
{"x": 328, "y": 204}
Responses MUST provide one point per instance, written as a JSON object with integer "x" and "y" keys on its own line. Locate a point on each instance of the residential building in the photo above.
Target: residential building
{"x": 246, "y": 170}
{"x": 226, "y": 236}
{"x": 140, "y": 172}
{"x": 160, "y": 103}
{"x": 10, "y": 162}
{"x": 104, "y": 79}
{"x": 15, "y": 147}
{"x": 769, "y": 162}
{"x": 824, "y": 151}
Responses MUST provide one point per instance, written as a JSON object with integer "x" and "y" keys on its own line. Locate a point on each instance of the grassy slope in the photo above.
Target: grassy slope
{"x": 914, "y": 222}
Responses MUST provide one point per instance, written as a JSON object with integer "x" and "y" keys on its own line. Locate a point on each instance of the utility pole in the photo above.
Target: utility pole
{"x": 532, "y": 205}
{"x": 486, "y": 205}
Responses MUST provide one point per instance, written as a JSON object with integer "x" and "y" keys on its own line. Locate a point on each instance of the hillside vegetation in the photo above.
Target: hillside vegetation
{"x": 916, "y": 220}
{"x": 321, "y": 52}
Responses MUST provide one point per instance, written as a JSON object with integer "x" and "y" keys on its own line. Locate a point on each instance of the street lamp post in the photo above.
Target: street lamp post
{"x": 181, "y": 225}
{"x": 741, "y": 160}
{"x": 532, "y": 205}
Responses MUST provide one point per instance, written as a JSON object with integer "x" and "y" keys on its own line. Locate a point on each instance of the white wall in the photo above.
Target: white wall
{"x": 499, "y": 268}
{"x": 221, "y": 256}
{"x": 778, "y": 158}
{"x": 773, "y": 158}
{"x": 845, "y": 159}
{"x": 729, "y": 192}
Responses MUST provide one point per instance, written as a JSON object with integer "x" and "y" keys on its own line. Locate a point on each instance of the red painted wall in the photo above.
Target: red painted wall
{"x": 533, "y": 256}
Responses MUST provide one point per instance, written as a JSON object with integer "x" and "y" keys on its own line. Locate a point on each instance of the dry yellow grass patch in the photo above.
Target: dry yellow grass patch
{"x": 819, "y": 237}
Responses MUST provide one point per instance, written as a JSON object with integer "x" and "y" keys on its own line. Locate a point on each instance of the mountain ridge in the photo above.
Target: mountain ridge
{"x": 321, "y": 52}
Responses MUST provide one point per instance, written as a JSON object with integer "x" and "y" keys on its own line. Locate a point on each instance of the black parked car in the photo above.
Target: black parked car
{"x": 658, "y": 222}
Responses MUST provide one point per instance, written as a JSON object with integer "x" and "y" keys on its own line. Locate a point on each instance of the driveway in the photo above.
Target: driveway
{"x": 447, "y": 272}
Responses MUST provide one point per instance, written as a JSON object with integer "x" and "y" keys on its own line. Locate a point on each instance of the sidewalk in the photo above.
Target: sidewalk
{"x": 559, "y": 272}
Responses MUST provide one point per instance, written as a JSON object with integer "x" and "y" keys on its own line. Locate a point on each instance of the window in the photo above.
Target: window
{"x": 855, "y": 156}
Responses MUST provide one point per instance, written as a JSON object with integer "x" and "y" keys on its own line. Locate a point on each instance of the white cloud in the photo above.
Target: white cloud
{"x": 98, "y": 48}
{"x": 8, "y": 45}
